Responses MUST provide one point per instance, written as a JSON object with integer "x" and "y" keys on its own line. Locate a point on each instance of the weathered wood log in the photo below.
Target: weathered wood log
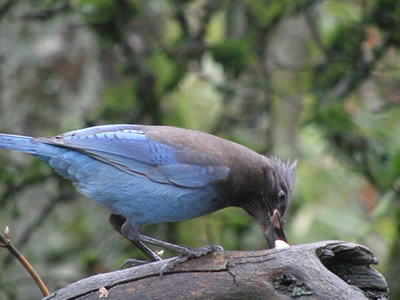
{"x": 323, "y": 270}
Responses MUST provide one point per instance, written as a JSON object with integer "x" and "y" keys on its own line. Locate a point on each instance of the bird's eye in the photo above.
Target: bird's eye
{"x": 282, "y": 195}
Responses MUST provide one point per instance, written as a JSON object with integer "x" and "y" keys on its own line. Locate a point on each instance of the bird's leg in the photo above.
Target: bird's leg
{"x": 120, "y": 225}
{"x": 127, "y": 230}
{"x": 186, "y": 252}
{"x": 190, "y": 252}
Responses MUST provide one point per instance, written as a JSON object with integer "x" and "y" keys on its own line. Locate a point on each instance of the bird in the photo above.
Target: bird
{"x": 153, "y": 174}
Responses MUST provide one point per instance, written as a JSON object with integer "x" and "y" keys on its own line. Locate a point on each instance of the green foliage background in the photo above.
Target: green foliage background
{"x": 313, "y": 80}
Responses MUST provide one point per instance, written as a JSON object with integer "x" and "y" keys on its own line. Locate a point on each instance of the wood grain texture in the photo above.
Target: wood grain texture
{"x": 323, "y": 270}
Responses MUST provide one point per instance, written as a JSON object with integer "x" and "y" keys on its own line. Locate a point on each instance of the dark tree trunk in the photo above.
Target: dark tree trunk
{"x": 323, "y": 270}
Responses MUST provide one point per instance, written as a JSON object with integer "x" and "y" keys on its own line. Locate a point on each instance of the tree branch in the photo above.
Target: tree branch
{"x": 5, "y": 242}
{"x": 323, "y": 270}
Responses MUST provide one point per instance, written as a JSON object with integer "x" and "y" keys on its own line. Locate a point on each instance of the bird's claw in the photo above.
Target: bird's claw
{"x": 188, "y": 254}
{"x": 197, "y": 252}
{"x": 133, "y": 262}
{"x": 168, "y": 266}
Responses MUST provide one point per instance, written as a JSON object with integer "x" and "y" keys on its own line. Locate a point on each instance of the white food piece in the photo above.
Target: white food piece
{"x": 281, "y": 244}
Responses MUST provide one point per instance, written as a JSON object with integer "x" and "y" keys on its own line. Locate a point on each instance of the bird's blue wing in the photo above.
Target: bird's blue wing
{"x": 193, "y": 175}
{"x": 128, "y": 148}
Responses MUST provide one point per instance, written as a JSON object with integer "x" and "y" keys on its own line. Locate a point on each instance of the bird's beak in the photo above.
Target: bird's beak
{"x": 275, "y": 231}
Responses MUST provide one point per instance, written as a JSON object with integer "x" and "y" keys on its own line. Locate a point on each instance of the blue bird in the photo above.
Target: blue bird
{"x": 153, "y": 174}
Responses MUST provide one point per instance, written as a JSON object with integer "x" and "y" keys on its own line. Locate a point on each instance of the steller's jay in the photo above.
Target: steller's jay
{"x": 152, "y": 174}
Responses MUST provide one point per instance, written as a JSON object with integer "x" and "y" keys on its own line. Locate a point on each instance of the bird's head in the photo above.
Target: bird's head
{"x": 270, "y": 205}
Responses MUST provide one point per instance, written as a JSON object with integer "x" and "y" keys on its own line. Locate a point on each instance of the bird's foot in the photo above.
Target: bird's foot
{"x": 197, "y": 252}
{"x": 168, "y": 266}
{"x": 131, "y": 262}
{"x": 188, "y": 254}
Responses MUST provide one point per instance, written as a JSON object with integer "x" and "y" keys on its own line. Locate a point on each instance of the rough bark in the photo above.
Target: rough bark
{"x": 323, "y": 270}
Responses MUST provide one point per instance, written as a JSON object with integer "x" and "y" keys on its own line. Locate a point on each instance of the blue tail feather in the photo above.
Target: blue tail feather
{"x": 26, "y": 144}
